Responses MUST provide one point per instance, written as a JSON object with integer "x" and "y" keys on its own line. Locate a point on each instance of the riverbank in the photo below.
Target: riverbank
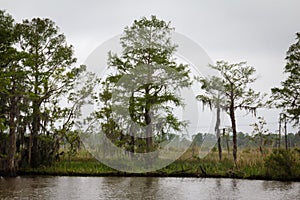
{"x": 250, "y": 165}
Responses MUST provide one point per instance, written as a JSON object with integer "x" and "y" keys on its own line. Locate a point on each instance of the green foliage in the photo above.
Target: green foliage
{"x": 12, "y": 79}
{"x": 235, "y": 82}
{"x": 214, "y": 91}
{"x": 37, "y": 72}
{"x": 6, "y": 52}
{"x": 235, "y": 79}
{"x": 143, "y": 84}
{"x": 282, "y": 164}
{"x": 287, "y": 96}
{"x": 50, "y": 75}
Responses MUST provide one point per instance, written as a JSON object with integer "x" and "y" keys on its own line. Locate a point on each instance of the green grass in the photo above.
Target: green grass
{"x": 76, "y": 166}
{"x": 250, "y": 165}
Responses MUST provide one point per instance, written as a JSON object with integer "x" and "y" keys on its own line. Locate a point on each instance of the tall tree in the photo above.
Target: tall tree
{"x": 9, "y": 87}
{"x": 6, "y": 52}
{"x": 51, "y": 74}
{"x": 146, "y": 79}
{"x": 287, "y": 97}
{"x": 12, "y": 93}
{"x": 238, "y": 95}
{"x": 213, "y": 97}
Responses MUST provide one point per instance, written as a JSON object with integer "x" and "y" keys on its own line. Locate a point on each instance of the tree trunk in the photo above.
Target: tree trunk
{"x": 261, "y": 143}
{"x": 148, "y": 130}
{"x": 29, "y": 149}
{"x": 148, "y": 120}
{"x": 227, "y": 141}
{"x": 285, "y": 133}
{"x": 33, "y": 144}
{"x": 233, "y": 125}
{"x": 35, "y": 121}
{"x": 132, "y": 130}
{"x": 132, "y": 141}
{"x": 33, "y": 147}
{"x": 147, "y": 116}
{"x": 279, "y": 131}
{"x": 11, "y": 165}
{"x": 217, "y": 129}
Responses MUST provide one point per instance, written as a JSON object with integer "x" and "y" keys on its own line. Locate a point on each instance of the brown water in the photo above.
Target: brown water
{"x": 144, "y": 188}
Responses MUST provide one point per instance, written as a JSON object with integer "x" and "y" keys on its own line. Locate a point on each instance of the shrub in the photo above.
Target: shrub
{"x": 281, "y": 164}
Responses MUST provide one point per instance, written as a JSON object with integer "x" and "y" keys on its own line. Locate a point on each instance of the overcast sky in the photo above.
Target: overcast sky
{"x": 256, "y": 31}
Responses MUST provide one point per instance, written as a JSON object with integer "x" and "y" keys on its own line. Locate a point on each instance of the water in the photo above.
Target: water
{"x": 144, "y": 188}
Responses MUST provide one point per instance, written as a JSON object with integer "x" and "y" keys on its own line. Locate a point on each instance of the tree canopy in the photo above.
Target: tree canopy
{"x": 37, "y": 72}
{"x": 145, "y": 82}
{"x": 287, "y": 97}
{"x": 237, "y": 93}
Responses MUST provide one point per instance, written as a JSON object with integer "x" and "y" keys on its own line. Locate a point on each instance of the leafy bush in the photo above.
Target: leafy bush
{"x": 281, "y": 164}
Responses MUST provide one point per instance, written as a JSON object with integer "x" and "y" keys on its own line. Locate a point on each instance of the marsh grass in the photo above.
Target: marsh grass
{"x": 251, "y": 164}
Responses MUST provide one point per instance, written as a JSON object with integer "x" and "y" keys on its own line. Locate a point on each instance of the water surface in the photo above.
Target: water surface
{"x": 62, "y": 188}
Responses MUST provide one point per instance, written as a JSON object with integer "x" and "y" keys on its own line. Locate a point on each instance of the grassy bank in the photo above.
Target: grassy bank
{"x": 251, "y": 165}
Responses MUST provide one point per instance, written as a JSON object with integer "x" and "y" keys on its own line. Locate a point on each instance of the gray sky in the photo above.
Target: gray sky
{"x": 256, "y": 31}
